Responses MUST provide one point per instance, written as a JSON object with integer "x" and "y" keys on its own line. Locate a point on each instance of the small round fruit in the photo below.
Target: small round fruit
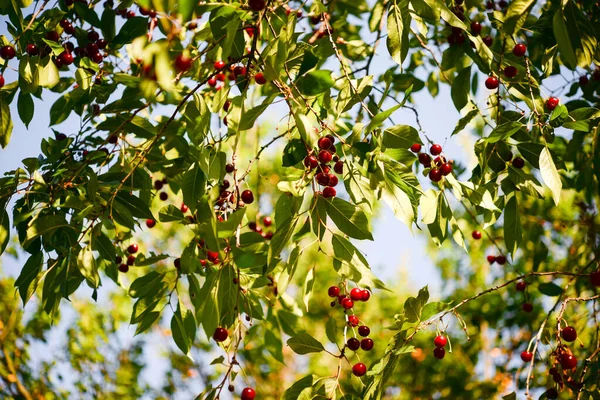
{"x": 356, "y": 294}
{"x": 130, "y": 260}
{"x": 183, "y": 63}
{"x": 359, "y": 369}
{"x": 475, "y": 28}
{"x": 257, "y": 5}
{"x": 177, "y": 263}
{"x": 353, "y": 320}
{"x": 333, "y": 291}
{"x": 7, "y": 52}
{"x": 212, "y": 256}
{"x": 527, "y": 307}
{"x": 491, "y": 259}
{"x": 595, "y": 278}
{"x": 163, "y": 196}
{"x": 488, "y": 40}
{"x": 526, "y": 356}
{"x": 32, "y": 49}
{"x": 353, "y": 344}
{"x": 501, "y": 259}
{"x": 66, "y": 58}
{"x": 446, "y": 169}
{"x": 439, "y": 353}
{"x": 247, "y": 196}
{"x": 435, "y": 150}
{"x": 583, "y": 80}
{"x": 476, "y": 235}
{"x": 220, "y": 334}
{"x": 219, "y": 65}
{"x": 347, "y": 303}
{"x": 552, "y": 103}
{"x": 311, "y": 162}
{"x": 133, "y": 248}
{"x": 93, "y": 36}
{"x": 267, "y": 221}
{"x": 521, "y": 286}
{"x": 364, "y": 330}
{"x": 324, "y": 143}
{"x": 322, "y": 179}
{"x": 260, "y": 78}
{"x": 325, "y": 156}
{"x": 238, "y": 71}
{"x": 435, "y": 175}
{"x": 518, "y": 162}
{"x": 492, "y": 83}
{"x": 366, "y": 295}
{"x": 150, "y": 223}
{"x": 552, "y": 394}
{"x": 229, "y": 168}
{"x": 568, "y": 361}
{"x": 248, "y": 394}
{"x": 1, "y": 80}
{"x": 158, "y": 185}
{"x": 101, "y": 43}
{"x": 569, "y": 334}
{"x": 511, "y": 71}
{"x": 519, "y": 50}
{"x": 329, "y": 192}
{"x": 425, "y": 159}
{"x": 123, "y": 268}
{"x": 212, "y": 82}
{"x": 366, "y": 344}
{"x": 440, "y": 341}
{"x": 184, "y": 208}
{"x": 415, "y": 148}
{"x": 118, "y": 260}
{"x": 338, "y": 167}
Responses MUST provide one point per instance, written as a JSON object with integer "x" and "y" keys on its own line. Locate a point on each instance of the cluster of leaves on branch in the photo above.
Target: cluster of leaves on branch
{"x": 170, "y": 98}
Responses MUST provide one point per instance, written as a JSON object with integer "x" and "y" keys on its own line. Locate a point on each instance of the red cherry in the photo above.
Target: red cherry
{"x": 583, "y": 80}
{"x": 177, "y": 263}
{"x": 521, "y": 286}
{"x": 425, "y": 159}
{"x": 359, "y": 369}
{"x": 364, "y": 331}
{"x": 322, "y": 179}
{"x": 240, "y": 70}
{"x": 184, "y": 208}
{"x": 347, "y": 303}
{"x": 511, "y": 71}
{"x": 366, "y": 295}
{"x": 526, "y": 356}
{"x": 183, "y": 63}
{"x": 518, "y": 162}
{"x": 568, "y": 361}
{"x": 501, "y": 259}
{"x": 440, "y": 341}
{"x": 476, "y": 235}
{"x": 93, "y": 36}
{"x": 366, "y": 344}
{"x": 333, "y": 180}
{"x": 551, "y": 103}
{"x": 569, "y": 334}
{"x": 491, "y": 259}
{"x": 311, "y": 162}
{"x": 446, "y": 169}
{"x": 356, "y": 294}
{"x": 488, "y": 40}
{"x": 552, "y": 393}
{"x": 150, "y": 223}
{"x": 247, "y": 196}
{"x": 123, "y": 268}
{"x": 1, "y": 80}
{"x": 66, "y": 58}
{"x": 130, "y": 14}
{"x": 260, "y": 78}
{"x": 492, "y": 82}
{"x": 519, "y": 50}
{"x": 229, "y": 168}
{"x": 596, "y": 74}
{"x": 53, "y": 35}
{"x": 219, "y": 65}
{"x": 32, "y": 49}
{"x": 339, "y": 167}
{"x": 329, "y": 192}
{"x": 97, "y": 57}
{"x": 595, "y": 278}
{"x": 267, "y": 221}
{"x": 130, "y": 260}
{"x": 158, "y": 185}
{"x": 527, "y": 307}
{"x": 220, "y": 334}
{"x": 118, "y": 260}
{"x": 435, "y": 149}
{"x": 439, "y": 353}
{"x": 324, "y": 143}
{"x": 415, "y": 148}
{"x": 475, "y": 28}
{"x": 163, "y": 196}
{"x": 248, "y": 394}
{"x": 212, "y": 255}
{"x": 435, "y": 175}
{"x": 133, "y": 248}
{"x": 325, "y": 156}
{"x": 353, "y": 320}
{"x": 333, "y": 291}
{"x": 257, "y": 5}
{"x": 353, "y": 344}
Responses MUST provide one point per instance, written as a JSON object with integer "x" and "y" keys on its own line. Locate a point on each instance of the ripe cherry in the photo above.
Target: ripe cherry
{"x": 366, "y": 344}
{"x": 238, "y": 71}
{"x": 324, "y": 143}
{"x": 150, "y": 223}
{"x": 1, "y": 80}
{"x": 163, "y": 196}
{"x": 329, "y": 192}
{"x": 347, "y": 303}
{"x": 247, "y": 196}
{"x": 133, "y": 248}
{"x": 359, "y": 369}
{"x": 32, "y": 49}
{"x": 488, "y": 40}
{"x": 220, "y": 334}
{"x": 353, "y": 344}
{"x": 475, "y": 28}
{"x": 425, "y": 159}
{"x": 356, "y": 294}
{"x": 518, "y": 162}
{"x": 595, "y": 278}
{"x": 257, "y": 5}
{"x": 339, "y": 167}
{"x": 446, "y": 169}
{"x": 229, "y": 168}
{"x": 491, "y": 259}
{"x": 184, "y": 208}
{"x": 552, "y": 393}
{"x": 213, "y": 256}
{"x": 177, "y": 263}
{"x": 260, "y": 78}
{"x": 527, "y": 307}
{"x": 519, "y": 50}
{"x": 415, "y": 148}
{"x": 511, "y": 71}
{"x": 322, "y": 179}
{"x": 93, "y": 36}
{"x": 7, "y": 52}
{"x": 118, "y": 260}
{"x": 439, "y": 353}
{"x": 66, "y": 58}
{"x": 552, "y": 103}
{"x": 440, "y": 341}
{"x": 492, "y": 83}
{"x": 248, "y": 394}
{"x": 325, "y": 156}
{"x": 521, "y": 286}
{"x": 219, "y": 65}
{"x": 353, "y": 320}
{"x": 311, "y": 162}
{"x": 183, "y": 63}
{"x": 568, "y": 361}
{"x": 583, "y": 80}
{"x": 569, "y": 334}
{"x": 366, "y": 295}
{"x": 158, "y": 185}
{"x": 364, "y": 330}
{"x": 333, "y": 291}
{"x": 123, "y": 268}
{"x": 267, "y": 221}
{"x": 130, "y": 260}
{"x": 435, "y": 149}
{"x": 526, "y": 356}
{"x": 435, "y": 175}
{"x": 212, "y": 82}
{"x": 501, "y": 259}
{"x": 476, "y": 235}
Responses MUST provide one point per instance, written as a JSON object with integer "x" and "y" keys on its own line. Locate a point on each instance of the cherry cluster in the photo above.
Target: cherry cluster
{"x": 325, "y": 156}
{"x": 346, "y": 301}
{"x": 266, "y": 222}
{"x": 439, "y": 166}
{"x": 440, "y": 343}
{"x": 124, "y": 266}
{"x": 521, "y": 286}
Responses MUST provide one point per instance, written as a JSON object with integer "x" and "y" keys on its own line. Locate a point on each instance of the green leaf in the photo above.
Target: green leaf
{"x": 460, "y": 88}
{"x": 464, "y": 121}
{"x": 48, "y": 73}
{"x": 87, "y": 266}
{"x": 440, "y": 7}
{"x": 513, "y": 231}
{"x": 350, "y": 263}
{"x": 398, "y": 22}
{"x": 309, "y": 283}
{"x": 6, "y": 124}
{"x": 400, "y": 137}
{"x": 295, "y": 392}
{"x": 550, "y": 289}
{"x": 60, "y": 110}
{"x": 146, "y": 322}
{"x": 510, "y": 396}
{"x": 144, "y": 285}
{"x": 249, "y": 117}
{"x": 170, "y": 213}
{"x": 315, "y": 82}
{"x": 380, "y": 118}
{"x": 25, "y": 107}
{"x": 303, "y": 343}
{"x": 135, "y": 205}
{"x": 550, "y": 174}
{"x": 349, "y": 219}
{"x": 433, "y": 309}
{"x": 29, "y": 78}
{"x": 105, "y": 247}
{"x": 516, "y": 15}
{"x": 193, "y": 187}
{"x": 413, "y": 306}
{"x": 133, "y": 28}
{"x": 504, "y": 131}
{"x": 83, "y": 78}
{"x": 28, "y": 274}
{"x": 293, "y": 153}
{"x": 183, "y": 330}
{"x": 331, "y": 330}
{"x": 186, "y": 9}
{"x": 44, "y": 225}
{"x": 4, "y": 230}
